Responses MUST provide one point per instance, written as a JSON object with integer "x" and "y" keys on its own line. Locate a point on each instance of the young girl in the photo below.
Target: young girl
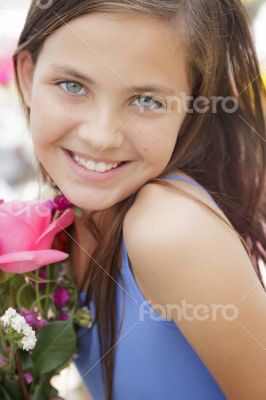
{"x": 169, "y": 243}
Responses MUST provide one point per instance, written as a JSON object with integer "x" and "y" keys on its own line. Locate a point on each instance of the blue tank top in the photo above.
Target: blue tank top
{"x": 153, "y": 360}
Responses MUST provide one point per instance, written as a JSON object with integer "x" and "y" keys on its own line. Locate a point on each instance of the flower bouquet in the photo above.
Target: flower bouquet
{"x": 39, "y": 303}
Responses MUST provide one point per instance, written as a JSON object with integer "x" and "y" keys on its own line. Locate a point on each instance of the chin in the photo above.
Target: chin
{"x": 87, "y": 205}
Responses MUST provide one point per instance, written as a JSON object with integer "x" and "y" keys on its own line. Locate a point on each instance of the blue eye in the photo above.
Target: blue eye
{"x": 74, "y": 88}
{"x": 147, "y": 101}
{"x": 71, "y": 87}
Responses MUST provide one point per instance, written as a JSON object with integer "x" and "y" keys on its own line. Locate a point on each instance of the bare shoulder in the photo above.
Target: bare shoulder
{"x": 186, "y": 257}
{"x": 156, "y": 203}
{"x": 154, "y": 195}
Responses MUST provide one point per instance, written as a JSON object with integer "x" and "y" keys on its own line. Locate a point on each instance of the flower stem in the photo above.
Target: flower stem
{"x": 3, "y": 340}
{"x": 21, "y": 377}
{"x": 47, "y": 288}
{"x": 38, "y": 293}
{"x": 11, "y": 363}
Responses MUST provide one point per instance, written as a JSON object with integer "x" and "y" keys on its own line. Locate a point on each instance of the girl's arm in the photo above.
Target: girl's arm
{"x": 182, "y": 253}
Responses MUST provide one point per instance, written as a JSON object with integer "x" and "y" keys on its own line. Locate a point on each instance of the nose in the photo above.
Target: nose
{"x": 101, "y": 130}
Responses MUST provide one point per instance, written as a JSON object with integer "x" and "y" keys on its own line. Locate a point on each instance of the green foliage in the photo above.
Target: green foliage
{"x": 56, "y": 343}
{"x": 4, "y": 276}
{"x": 11, "y": 390}
{"x": 43, "y": 390}
{"x": 26, "y": 296}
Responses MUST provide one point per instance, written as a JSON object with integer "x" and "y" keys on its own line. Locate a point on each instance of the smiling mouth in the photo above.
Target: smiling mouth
{"x": 73, "y": 154}
{"x": 81, "y": 161}
{"x": 91, "y": 167}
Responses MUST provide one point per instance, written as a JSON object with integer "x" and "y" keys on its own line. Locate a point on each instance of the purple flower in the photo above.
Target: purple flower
{"x": 63, "y": 316}
{"x": 60, "y": 203}
{"x": 30, "y": 316}
{"x": 43, "y": 275}
{"x": 28, "y": 377}
{"x": 2, "y": 361}
{"x": 61, "y": 297}
{"x": 40, "y": 323}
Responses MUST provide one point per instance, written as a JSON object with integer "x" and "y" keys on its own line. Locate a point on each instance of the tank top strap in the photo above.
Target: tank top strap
{"x": 184, "y": 179}
{"x": 126, "y": 268}
{"x": 192, "y": 181}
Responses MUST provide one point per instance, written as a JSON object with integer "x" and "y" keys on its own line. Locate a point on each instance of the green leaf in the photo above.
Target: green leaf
{"x": 43, "y": 390}
{"x": 50, "y": 391}
{"x": 3, "y": 394}
{"x": 13, "y": 389}
{"x": 38, "y": 393}
{"x": 26, "y": 295}
{"x": 56, "y": 343}
{"x": 26, "y": 361}
{"x": 3, "y": 300}
{"x": 4, "y": 276}
{"x": 16, "y": 280}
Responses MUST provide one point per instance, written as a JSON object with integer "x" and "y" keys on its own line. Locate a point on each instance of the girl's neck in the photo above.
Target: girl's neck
{"x": 82, "y": 245}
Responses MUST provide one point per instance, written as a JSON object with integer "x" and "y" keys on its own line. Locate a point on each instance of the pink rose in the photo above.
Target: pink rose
{"x": 27, "y": 233}
{"x": 6, "y": 71}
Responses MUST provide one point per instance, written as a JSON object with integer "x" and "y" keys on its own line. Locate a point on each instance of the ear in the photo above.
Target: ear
{"x": 25, "y": 70}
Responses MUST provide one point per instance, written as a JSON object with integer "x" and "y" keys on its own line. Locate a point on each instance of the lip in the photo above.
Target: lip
{"x": 94, "y": 176}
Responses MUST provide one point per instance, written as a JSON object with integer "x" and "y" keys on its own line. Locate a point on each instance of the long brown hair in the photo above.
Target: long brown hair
{"x": 219, "y": 150}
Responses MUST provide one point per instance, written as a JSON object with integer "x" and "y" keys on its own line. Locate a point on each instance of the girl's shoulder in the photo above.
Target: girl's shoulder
{"x": 196, "y": 269}
{"x": 167, "y": 235}
{"x": 156, "y": 198}
{"x": 162, "y": 218}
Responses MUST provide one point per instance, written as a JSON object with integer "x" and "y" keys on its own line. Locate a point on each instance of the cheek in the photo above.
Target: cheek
{"x": 155, "y": 141}
{"x": 50, "y": 120}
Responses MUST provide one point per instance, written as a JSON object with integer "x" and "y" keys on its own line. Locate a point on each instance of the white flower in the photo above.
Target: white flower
{"x": 10, "y": 312}
{"x": 29, "y": 341}
{"x": 26, "y": 329}
{"x": 18, "y": 323}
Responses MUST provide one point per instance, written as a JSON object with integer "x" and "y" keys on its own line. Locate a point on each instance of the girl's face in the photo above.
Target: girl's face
{"x": 97, "y": 111}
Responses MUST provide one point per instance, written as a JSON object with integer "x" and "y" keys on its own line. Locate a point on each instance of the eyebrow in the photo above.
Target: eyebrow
{"x": 65, "y": 69}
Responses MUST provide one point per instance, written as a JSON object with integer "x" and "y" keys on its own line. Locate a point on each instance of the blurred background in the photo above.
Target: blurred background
{"x": 17, "y": 163}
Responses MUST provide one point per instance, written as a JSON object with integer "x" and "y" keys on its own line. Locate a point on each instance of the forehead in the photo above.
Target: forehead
{"x": 119, "y": 46}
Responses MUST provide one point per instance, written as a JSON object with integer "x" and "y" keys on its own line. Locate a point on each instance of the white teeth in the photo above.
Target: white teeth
{"x": 92, "y": 166}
